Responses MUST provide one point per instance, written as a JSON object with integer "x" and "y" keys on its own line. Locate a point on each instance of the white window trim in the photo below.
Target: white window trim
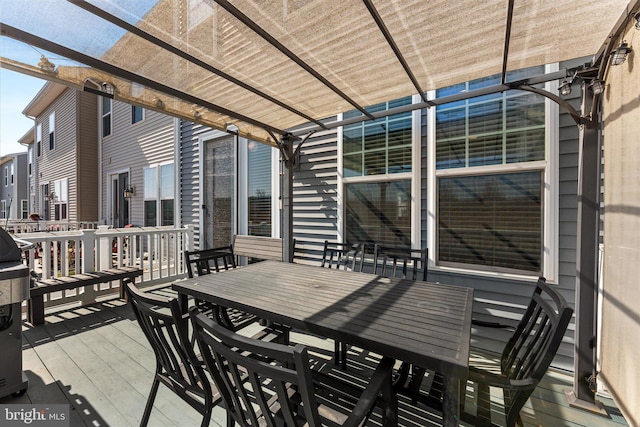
{"x": 144, "y": 114}
{"x": 550, "y": 237}
{"x": 102, "y": 115}
{"x": 414, "y": 176}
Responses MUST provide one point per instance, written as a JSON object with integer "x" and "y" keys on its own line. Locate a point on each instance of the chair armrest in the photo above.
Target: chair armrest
{"x": 497, "y": 380}
{"x": 381, "y": 378}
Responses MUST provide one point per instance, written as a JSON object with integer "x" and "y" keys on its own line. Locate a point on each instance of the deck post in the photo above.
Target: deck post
{"x": 287, "y": 152}
{"x": 583, "y": 393}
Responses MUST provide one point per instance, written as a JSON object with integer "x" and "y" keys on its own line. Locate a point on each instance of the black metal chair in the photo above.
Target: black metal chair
{"x": 272, "y": 384}
{"x": 208, "y": 261}
{"x": 525, "y": 358}
{"x": 343, "y": 256}
{"x": 400, "y": 262}
{"x": 177, "y": 366}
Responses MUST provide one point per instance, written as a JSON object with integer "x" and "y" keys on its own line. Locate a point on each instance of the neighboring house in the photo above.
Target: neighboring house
{"x": 14, "y": 203}
{"x": 65, "y": 150}
{"x": 138, "y": 180}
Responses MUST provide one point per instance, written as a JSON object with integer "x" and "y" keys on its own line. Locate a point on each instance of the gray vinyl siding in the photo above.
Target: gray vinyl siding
{"x": 315, "y": 196}
{"x": 190, "y": 175}
{"x": 61, "y": 162}
{"x": 132, "y": 147}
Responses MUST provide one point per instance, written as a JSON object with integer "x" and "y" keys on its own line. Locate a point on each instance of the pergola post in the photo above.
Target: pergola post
{"x": 287, "y": 152}
{"x": 583, "y": 393}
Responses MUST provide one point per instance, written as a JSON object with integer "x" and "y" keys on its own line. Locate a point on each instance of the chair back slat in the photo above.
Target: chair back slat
{"x": 400, "y": 262}
{"x": 343, "y": 256}
{"x": 256, "y": 377}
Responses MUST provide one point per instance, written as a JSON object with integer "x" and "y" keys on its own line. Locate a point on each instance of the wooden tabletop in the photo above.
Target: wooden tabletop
{"x": 424, "y": 323}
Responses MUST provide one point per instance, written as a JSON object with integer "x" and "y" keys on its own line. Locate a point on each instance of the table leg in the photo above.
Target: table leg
{"x": 451, "y": 402}
{"x": 183, "y": 300}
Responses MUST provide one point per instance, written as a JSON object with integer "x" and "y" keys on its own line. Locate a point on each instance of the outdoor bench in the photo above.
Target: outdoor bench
{"x": 35, "y": 305}
{"x": 258, "y": 247}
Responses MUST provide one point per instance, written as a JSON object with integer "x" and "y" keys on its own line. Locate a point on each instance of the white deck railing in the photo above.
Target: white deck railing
{"x": 29, "y": 226}
{"x": 158, "y": 251}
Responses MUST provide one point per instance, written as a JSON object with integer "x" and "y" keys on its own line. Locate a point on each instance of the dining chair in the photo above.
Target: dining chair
{"x": 215, "y": 260}
{"x": 177, "y": 366}
{"x": 272, "y": 384}
{"x": 343, "y": 256}
{"x": 405, "y": 263}
{"x": 524, "y": 359}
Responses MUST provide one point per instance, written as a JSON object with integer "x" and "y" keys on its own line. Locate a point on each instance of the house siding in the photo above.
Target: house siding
{"x": 190, "y": 204}
{"x": 60, "y": 162}
{"x": 132, "y": 147}
{"x": 315, "y": 196}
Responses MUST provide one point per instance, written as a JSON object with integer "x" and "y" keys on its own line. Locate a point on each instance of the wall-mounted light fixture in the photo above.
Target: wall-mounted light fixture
{"x": 565, "y": 87}
{"x": 637, "y": 18}
{"x": 619, "y": 54}
{"x": 129, "y": 192}
{"x": 597, "y": 86}
{"x": 52, "y": 196}
{"x": 108, "y": 89}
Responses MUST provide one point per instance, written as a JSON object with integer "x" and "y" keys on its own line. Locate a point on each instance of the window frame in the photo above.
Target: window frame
{"x": 39, "y": 140}
{"x": 135, "y": 108}
{"x": 157, "y": 197}
{"x": 414, "y": 177}
{"x": 24, "y": 208}
{"x": 106, "y": 115}
{"x": 52, "y": 128}
{"x": 550, "y": 202}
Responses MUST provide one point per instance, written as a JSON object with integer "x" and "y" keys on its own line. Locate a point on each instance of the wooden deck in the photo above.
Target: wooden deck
{"x": 96, "y": 359}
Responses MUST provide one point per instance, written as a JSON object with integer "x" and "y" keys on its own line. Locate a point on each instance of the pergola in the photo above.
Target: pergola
{"x": 275, "y": 72}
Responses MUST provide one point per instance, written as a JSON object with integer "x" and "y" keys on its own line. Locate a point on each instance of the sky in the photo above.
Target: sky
{"x": 16, "y": 91}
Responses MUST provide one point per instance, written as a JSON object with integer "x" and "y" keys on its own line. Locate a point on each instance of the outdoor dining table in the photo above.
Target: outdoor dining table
{"x": 427, "y": 324}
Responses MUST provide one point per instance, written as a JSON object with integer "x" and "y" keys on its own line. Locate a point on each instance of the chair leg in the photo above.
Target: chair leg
{"x": 150, "y": 400}
{"x": 206, "y": 417}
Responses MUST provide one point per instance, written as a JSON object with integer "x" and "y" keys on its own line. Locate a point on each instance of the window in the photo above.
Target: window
{"x": 137, "y": 114}
{"x": 3, "y": 209}
{"x": 259, "y": 189}
{"x": 377, "y": 147}
{"x": 52, "y": 128}
{"x": 378, "y": 210}
{"x": 24, "y": 209}
{"x": 159, "y": 195}
{"x": 166, "y": 194}
{"x": 39, "y": 139}
{"x": 11, "y": 173}
{"x": 489, "y": 160}
{"x": 30, "y": 159}
{"x": 60, "y": 199}
{"x": 106, "y": 116}
{"x": 6, "y": 176}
